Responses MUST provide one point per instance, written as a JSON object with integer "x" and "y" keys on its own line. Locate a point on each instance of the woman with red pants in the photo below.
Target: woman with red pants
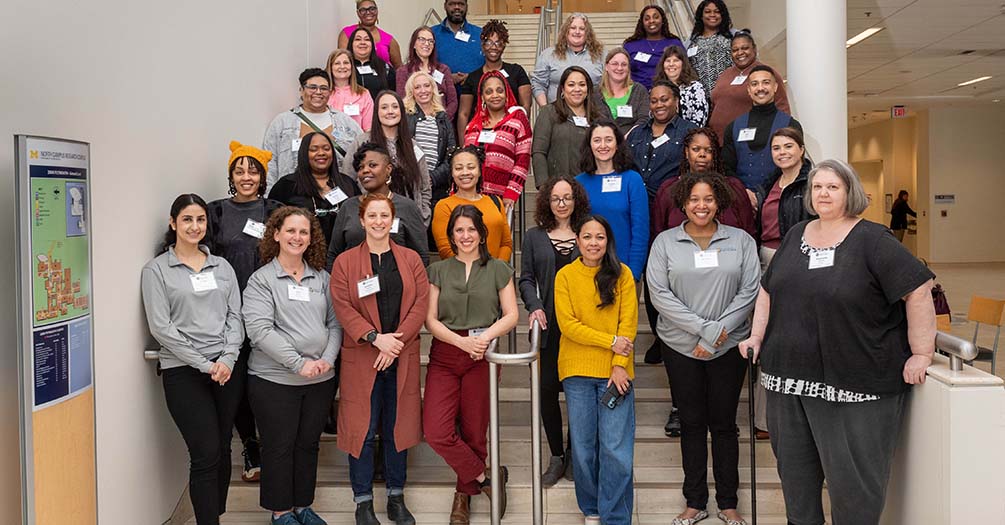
{"x": 472, "y": 300}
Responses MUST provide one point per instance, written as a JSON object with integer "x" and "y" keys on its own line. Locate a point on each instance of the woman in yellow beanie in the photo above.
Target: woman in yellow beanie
{"x": 236, "y": 225}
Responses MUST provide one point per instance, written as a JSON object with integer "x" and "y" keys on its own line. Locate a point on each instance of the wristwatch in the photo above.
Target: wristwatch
{"x": 371, "y": 336}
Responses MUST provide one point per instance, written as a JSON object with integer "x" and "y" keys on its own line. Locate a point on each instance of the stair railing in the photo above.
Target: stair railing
{"x": 681, "y": 13}
{"x": 430, "y": 15}
{"x": 959, "y": 350}
{"x": 497, "y": 359}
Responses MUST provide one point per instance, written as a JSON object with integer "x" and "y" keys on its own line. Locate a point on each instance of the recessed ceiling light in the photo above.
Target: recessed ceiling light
{"x": 862, "y": 36}
{"x": 996, "y": 100}
{"x": 974, "y": 81}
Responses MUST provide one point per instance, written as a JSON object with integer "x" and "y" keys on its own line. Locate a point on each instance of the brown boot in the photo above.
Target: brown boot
{"x": 487, "y": 490}
{"x": 460, "y": 513}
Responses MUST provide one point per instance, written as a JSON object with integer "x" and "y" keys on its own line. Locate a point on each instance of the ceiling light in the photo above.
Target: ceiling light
{"x": 862, "y": 36}
{"x": 974, "y": 81}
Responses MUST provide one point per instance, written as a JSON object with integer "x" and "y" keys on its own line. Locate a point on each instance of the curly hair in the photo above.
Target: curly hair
{"x": 495, "y": 27}
{"x": 709, "y": 133}
{"x": 687, "y": 72}
{"x": 640, "y": 30}
{"x": 543, "y": 215}
{"x": 471, "y": 149}
{"x": 252, "y": 162}
{"x": 681, "y": 190}
{"x": 593, "y": 45}
{"x": 699, "y": 25}
{"x": 316, "y": 251}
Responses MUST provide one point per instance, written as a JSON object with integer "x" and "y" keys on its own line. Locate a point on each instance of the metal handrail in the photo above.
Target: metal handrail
{"x": 151, "y": 354}
{"x": 431, "y": 14}
{"x": 497, "y": 359}
{"x": 681, "y": 13}
{"x": 959, "y": 350}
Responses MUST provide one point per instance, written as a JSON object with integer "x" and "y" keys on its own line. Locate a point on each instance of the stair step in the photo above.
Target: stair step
{"x": 347, "y": 518}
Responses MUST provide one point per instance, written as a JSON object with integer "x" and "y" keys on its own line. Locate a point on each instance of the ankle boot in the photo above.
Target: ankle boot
{"x": 364, "y": 513}
{"x": 398, "y": 512}
{"x": 460, "y": 513}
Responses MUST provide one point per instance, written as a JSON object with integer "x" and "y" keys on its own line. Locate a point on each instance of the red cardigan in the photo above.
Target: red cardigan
{"x": 666, "y": 215}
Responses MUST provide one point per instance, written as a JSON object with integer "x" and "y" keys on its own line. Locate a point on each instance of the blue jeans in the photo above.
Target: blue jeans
{"x": 603, "y": 449}
{"x": 383, "y": 408}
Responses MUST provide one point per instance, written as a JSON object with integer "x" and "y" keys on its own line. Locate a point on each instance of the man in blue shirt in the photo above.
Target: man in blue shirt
{"x": 458, "y": 42}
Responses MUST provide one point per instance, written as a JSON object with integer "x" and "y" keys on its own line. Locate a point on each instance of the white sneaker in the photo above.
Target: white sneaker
{"x": 592, "y": 520}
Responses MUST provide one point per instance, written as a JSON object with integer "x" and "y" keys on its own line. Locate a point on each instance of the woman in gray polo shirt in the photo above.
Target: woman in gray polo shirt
{"x": 193, "y": 306}
{"x": 295, "y": 338}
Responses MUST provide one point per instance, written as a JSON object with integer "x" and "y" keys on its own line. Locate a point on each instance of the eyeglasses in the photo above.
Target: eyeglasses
{"x": 367, "y": 10}
{"x": 562, "y": 200}
{"x": 424, "y": 40}
{"x": 494, "y": 44}
{"x": 314, "y": 87}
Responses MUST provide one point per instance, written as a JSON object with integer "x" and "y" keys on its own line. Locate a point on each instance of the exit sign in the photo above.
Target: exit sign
{"x": 898, "y": 112}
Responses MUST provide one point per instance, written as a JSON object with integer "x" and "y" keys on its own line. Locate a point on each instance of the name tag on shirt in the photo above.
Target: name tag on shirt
{"x": 580, "y": 121}
{"x": 438, "y": 76}
{"x": 659, "y": 141}
{"x": 706, "y": 259}
{"x": 254, "y": 229}
{"x": 625, "y": 111}
{"x": 738, "y": 80}
{"x": 642, "y": 57}
{"x": 611, "y": 183}
{"x": 692, "y": 52}
{"x": 203, "y": 282}
{"x": 299, "y": 293}
{"x": 474, "y": 332}
{"x": 395, "y": 224}
{"x": 487, "y": 136}
{"x": 462, "y": 36}
{"x": 504, "y": 73}
{"x": 368, "y": 286}
{"x": 747, "y": 134}
{"x": 295, "y": 145}
{"x": 365, "y": 70}
{"x": 418, "y": 151}
{"x": 821, "y": 259}
{"x": 336, "y": 196}
{"x": 351, "y": 109}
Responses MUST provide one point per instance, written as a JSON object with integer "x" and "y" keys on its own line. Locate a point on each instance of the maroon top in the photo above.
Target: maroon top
{"x": 665, "y": 215}
{"x": 771, "y": 233}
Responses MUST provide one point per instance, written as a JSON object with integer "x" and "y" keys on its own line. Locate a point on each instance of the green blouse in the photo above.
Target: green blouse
{"x": 472, "y": 304}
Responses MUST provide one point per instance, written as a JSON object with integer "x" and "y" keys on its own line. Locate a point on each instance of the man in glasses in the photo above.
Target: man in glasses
{"x": 494, "y": 37}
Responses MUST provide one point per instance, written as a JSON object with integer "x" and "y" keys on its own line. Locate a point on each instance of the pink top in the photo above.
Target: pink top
{"x": 771, "y": 233}
{"x": 382, "y": 45}
{"x": 362, "y": 113}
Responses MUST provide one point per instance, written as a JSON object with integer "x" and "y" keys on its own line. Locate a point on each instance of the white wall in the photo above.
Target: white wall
{"x": 158, "y": 89}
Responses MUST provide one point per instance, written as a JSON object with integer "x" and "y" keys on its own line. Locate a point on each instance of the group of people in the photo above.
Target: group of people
{"x": 666, "y": 168}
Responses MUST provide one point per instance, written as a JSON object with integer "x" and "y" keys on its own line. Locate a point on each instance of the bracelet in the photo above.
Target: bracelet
{"x": 614, "y": 342}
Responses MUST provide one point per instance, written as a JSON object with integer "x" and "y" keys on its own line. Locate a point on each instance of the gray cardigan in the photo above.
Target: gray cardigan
{"x": 537, "y": 274}
{"x": 548, "y": 70}
{"x": 558, "y": 144}
{"x": 696, "y": 304}
{"x": 638, "y": 99}
{"x": 347, "y": 232}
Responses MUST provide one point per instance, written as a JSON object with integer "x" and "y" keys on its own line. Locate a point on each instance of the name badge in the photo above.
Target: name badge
{"x": 747, "y": 134}
{"x": 692, "y": 52}
{"x": 254, "y": 228}
{"x": 365, "y": 70}
{"x": 580, "y": 121}
{"x": 438, "y": 76}
{"x": 395, "y": 224}
{"x": 821, "y": 259}
{"x": 474, "y": 332}
{"x": 504, "y": 73}
{"x": 611, "y": 183}
{"x": 487, "y": 136}
{"x": 295, "y": 145}
{"x": 739, "y": 80}
{"x": 351, "y": 109}
{"x": 336, "y": 196}
{"x": 625, "y": 111}
{"x": 706, "y": 259}
{"x": 418, "y": 151}
{"x": 368, "y": 286}
{"x": 462, "y": 36}
{"x": 203, "y": 282}
{"x": 642, "y": 57}
{"x": 299, "y": 293}
{"x": 659, "y": 141}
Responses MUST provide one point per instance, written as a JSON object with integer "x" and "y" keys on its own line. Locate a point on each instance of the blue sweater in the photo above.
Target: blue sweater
{"x": 627, "y": 210}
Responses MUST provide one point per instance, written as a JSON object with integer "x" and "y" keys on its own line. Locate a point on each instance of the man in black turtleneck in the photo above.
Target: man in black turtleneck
{"x": 746, "y": 154}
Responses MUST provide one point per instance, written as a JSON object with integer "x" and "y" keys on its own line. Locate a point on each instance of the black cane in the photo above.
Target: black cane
{"x": 753, "y": 437}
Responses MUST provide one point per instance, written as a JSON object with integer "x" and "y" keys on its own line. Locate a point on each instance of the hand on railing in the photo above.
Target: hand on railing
{"x": 493, "y": 356}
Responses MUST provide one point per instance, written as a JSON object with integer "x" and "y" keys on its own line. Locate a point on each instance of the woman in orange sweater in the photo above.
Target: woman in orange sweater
{"x": 466, "y": 170}
{"x": 597, "y": 311}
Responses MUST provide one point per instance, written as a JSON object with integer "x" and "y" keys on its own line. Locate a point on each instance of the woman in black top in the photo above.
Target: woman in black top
{"x": 372, "y": 72}
{"x": 561, "y": 202}
{"x": 846, "y": 324}
{"x": 316, "y": 185}
{"x": 898, "y": 215}
{"x": 237, "y": 224}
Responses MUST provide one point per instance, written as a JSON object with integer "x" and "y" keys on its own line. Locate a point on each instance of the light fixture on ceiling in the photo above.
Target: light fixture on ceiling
{"x": 974, "y": 81}
{"x": 862, "y": 36}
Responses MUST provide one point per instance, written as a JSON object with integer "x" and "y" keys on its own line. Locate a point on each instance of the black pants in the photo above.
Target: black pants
{"x": 851, "y": 445}
{"x": 244, "y": 422}
{"x": 708, "y": 393}
{"x": 551, "y": 409}
{"x": 204, "y": 413}
{"x": 290, "y": 420}
{"x": 653, "y": 317}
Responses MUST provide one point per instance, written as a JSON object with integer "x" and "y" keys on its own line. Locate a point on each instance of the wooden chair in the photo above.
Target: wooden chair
{"x": 984, "y": 310}
{"x": 943, "y": 323}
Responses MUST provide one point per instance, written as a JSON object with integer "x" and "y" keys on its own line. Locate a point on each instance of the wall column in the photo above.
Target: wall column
{"x": 817, "y": 71}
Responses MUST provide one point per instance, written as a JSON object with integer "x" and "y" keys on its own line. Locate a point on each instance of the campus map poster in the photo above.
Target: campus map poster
{"x": 59, "y": 238}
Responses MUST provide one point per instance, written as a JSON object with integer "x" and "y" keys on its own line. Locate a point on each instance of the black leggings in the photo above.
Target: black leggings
{"x": 653, "y": 317}
{"x": 204, "y": 413}
{"x": 551, "y": 410}
{"x": 244, "y": 421}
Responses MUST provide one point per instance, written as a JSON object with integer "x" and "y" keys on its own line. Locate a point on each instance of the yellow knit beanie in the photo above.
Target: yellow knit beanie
{"x": 238, "y": 150}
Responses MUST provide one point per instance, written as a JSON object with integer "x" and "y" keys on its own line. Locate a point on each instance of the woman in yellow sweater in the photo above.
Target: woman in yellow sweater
{"x": 597, "y": 311}
{"x": 466, "y": 170}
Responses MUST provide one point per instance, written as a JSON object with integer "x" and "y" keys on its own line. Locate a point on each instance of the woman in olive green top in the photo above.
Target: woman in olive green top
{"x": 464, "y": 319}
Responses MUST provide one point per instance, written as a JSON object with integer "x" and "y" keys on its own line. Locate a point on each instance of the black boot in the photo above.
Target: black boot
{"x": 364, "y": 513}
{"x": 398, "y": 512}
